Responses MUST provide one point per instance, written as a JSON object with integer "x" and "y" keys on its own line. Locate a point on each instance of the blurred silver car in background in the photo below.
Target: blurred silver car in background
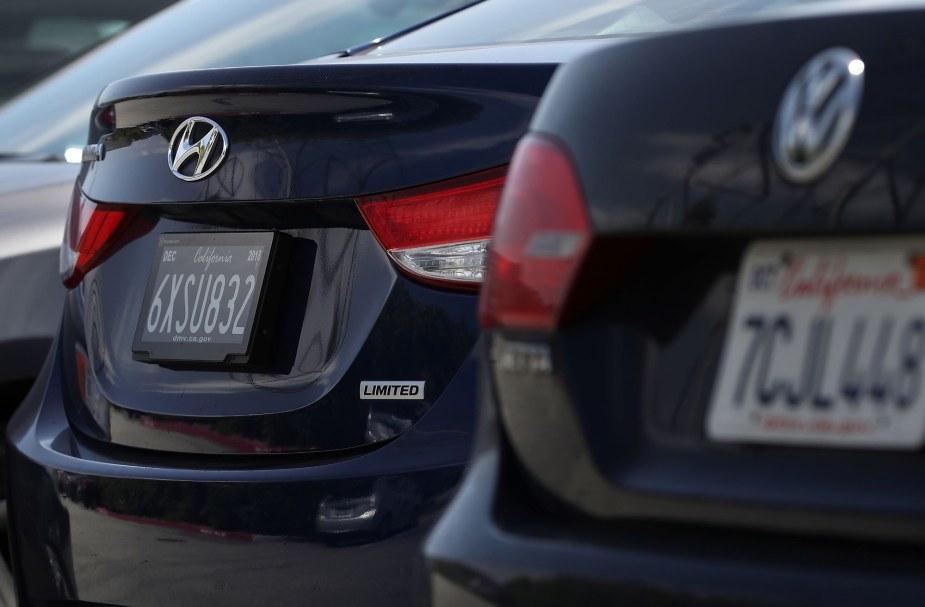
{"x": 38, "y": 37}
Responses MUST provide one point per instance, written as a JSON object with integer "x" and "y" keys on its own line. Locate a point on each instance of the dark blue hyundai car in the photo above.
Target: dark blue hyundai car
{"x": 263, "y": 386}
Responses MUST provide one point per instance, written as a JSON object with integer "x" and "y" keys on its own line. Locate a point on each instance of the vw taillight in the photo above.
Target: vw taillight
{"x": 439, "y": 233}
{"x": 541, "y": 235}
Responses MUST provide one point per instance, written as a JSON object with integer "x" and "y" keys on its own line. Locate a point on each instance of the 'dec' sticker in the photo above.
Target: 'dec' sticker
{"x": 392, "y": 390}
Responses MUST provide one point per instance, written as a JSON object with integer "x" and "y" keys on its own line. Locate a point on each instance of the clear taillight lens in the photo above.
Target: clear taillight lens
{"x": 438, "y": 233}
{"x": 93, "y": 233}
{"x": 541, "y": 235}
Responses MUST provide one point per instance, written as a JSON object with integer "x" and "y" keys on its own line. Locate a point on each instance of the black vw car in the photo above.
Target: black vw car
{"x": 263, "y": 387}
{"x": 703, "y": 369}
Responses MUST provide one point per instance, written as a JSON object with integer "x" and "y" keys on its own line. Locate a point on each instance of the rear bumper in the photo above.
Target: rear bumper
{"x": 127, "y": 527}
{"x": 496, "y": 545}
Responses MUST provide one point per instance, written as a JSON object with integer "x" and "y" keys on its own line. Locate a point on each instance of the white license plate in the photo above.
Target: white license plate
{"x": 826, "y": 346}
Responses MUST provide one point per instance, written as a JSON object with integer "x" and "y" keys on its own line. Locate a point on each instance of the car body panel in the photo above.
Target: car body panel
{"x": 493, "y": 547}
{"x": 732, "y": 185}
{"x": 115, "y": 526}
{"x": 403, "y": 121}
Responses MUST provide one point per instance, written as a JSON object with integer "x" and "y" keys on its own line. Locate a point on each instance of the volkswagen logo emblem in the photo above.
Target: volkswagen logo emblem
{"x": 817, "y": 114}
{"x": 197, "y": 148}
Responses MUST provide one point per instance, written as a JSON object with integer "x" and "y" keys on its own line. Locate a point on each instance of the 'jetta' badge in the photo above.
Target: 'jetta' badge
{"x": 197, "y": 148}
{"x": 817, "y": 114}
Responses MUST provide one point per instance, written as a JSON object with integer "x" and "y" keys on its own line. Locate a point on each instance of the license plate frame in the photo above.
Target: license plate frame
{"x": 845, "y": 316}
{"x": 182, "y": 263}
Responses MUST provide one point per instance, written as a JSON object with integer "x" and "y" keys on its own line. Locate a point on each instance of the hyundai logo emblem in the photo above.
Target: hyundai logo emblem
{"x": 197, "y": 148}
{"x": 817, "y": 114}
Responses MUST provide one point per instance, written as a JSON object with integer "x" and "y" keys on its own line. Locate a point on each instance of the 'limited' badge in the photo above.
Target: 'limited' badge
{"x": 391, "y": 390}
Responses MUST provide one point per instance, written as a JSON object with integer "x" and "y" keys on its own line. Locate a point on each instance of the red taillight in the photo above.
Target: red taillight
{"x": 438, "y": 233}
{"x": 107, "y": 118}
{"x": 92, "y": 233}
{"x": 80, "y": 358}
{"x": 540, "y": 238}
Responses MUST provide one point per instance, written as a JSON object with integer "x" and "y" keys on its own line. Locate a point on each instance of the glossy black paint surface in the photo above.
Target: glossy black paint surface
{"x": 323, "y": 131}
{"x": 123, "y": 526}
{"x": 503, "y": 541}
{"x": 597, "y": 483}
{"x": 704, "y": 164}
